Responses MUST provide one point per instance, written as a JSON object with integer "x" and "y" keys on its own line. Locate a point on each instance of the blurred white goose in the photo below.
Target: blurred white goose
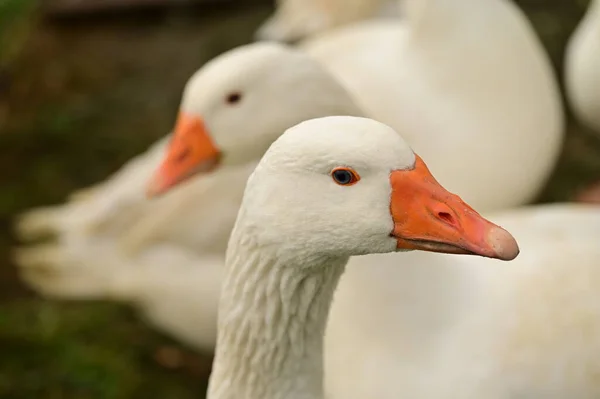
{"x": 120, "y": 202}
{"x": 466, "y": 77}
{"x": 582, "y": 68}
{"x": 450, "y": 90}
{"x": 424, "y": 93}
{"x": 106, "y": 235}
{"x": 446, "y": 322}
{"x": 327, "y": 189}
{"x": 296, "y": 19}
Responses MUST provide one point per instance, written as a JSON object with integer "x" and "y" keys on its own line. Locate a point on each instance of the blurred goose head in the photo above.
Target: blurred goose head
{"x": 237, "y": 104}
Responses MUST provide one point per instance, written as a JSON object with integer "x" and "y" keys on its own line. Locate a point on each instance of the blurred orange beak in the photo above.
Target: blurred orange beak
{"x": 427, "y": 217}
{"x": 191, "y": 151}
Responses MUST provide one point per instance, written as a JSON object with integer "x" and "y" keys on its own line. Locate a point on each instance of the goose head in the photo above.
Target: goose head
{"x": 237, "y": 104}
{"x": 344, "y": 186}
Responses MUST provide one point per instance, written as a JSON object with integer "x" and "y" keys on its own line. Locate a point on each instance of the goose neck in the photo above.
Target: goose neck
{"x": 272, "y": 317}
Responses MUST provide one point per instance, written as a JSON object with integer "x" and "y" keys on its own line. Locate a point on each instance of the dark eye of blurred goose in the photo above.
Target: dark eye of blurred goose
{"x": 233, "y": 98}
{"x": 344, "y": 176}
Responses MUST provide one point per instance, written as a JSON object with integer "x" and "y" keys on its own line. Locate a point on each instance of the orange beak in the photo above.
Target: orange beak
{"x": 191, "y": 151}
{"x": 428, "y": 217}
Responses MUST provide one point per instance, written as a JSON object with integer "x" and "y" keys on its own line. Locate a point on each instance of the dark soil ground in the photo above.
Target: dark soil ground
{"x": 78, "y": 97}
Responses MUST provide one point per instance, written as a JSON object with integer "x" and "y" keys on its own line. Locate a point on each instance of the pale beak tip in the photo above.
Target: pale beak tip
{"x": 502, "y": 243}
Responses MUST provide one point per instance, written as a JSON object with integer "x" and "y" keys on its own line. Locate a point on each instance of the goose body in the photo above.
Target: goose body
{"x": 582, "y": 68}
{"x": 466, "y": 77}
{"x": 327, "y": 189}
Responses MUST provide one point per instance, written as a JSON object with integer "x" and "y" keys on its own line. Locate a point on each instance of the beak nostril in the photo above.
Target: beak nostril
{"x": 183, "y": 155}
{"x": 446, "y": 217}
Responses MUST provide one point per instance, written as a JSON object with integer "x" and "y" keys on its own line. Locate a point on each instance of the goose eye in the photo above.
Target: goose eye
{"x": 345, "y": 176}
{"x": 233, "y": 98}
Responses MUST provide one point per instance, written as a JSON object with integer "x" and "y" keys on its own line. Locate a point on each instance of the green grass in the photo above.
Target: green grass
{"x": 82, "y": 350}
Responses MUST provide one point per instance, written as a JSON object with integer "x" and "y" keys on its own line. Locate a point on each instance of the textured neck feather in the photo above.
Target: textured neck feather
{"x": 272, "y": 318}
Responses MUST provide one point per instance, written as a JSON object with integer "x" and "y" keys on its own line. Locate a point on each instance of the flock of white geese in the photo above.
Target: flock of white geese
{"x": 467, "y": 84}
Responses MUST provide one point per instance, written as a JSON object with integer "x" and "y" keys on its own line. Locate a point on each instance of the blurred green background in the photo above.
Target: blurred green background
{"x": 79, "y": 96}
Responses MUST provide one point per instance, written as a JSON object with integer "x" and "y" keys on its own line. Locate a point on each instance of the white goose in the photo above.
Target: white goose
{"x": 297, "y": 19}
{"x": 466, "y": 77}
{"x": 328, "y": 189}
{"x": 582, "y": 68}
